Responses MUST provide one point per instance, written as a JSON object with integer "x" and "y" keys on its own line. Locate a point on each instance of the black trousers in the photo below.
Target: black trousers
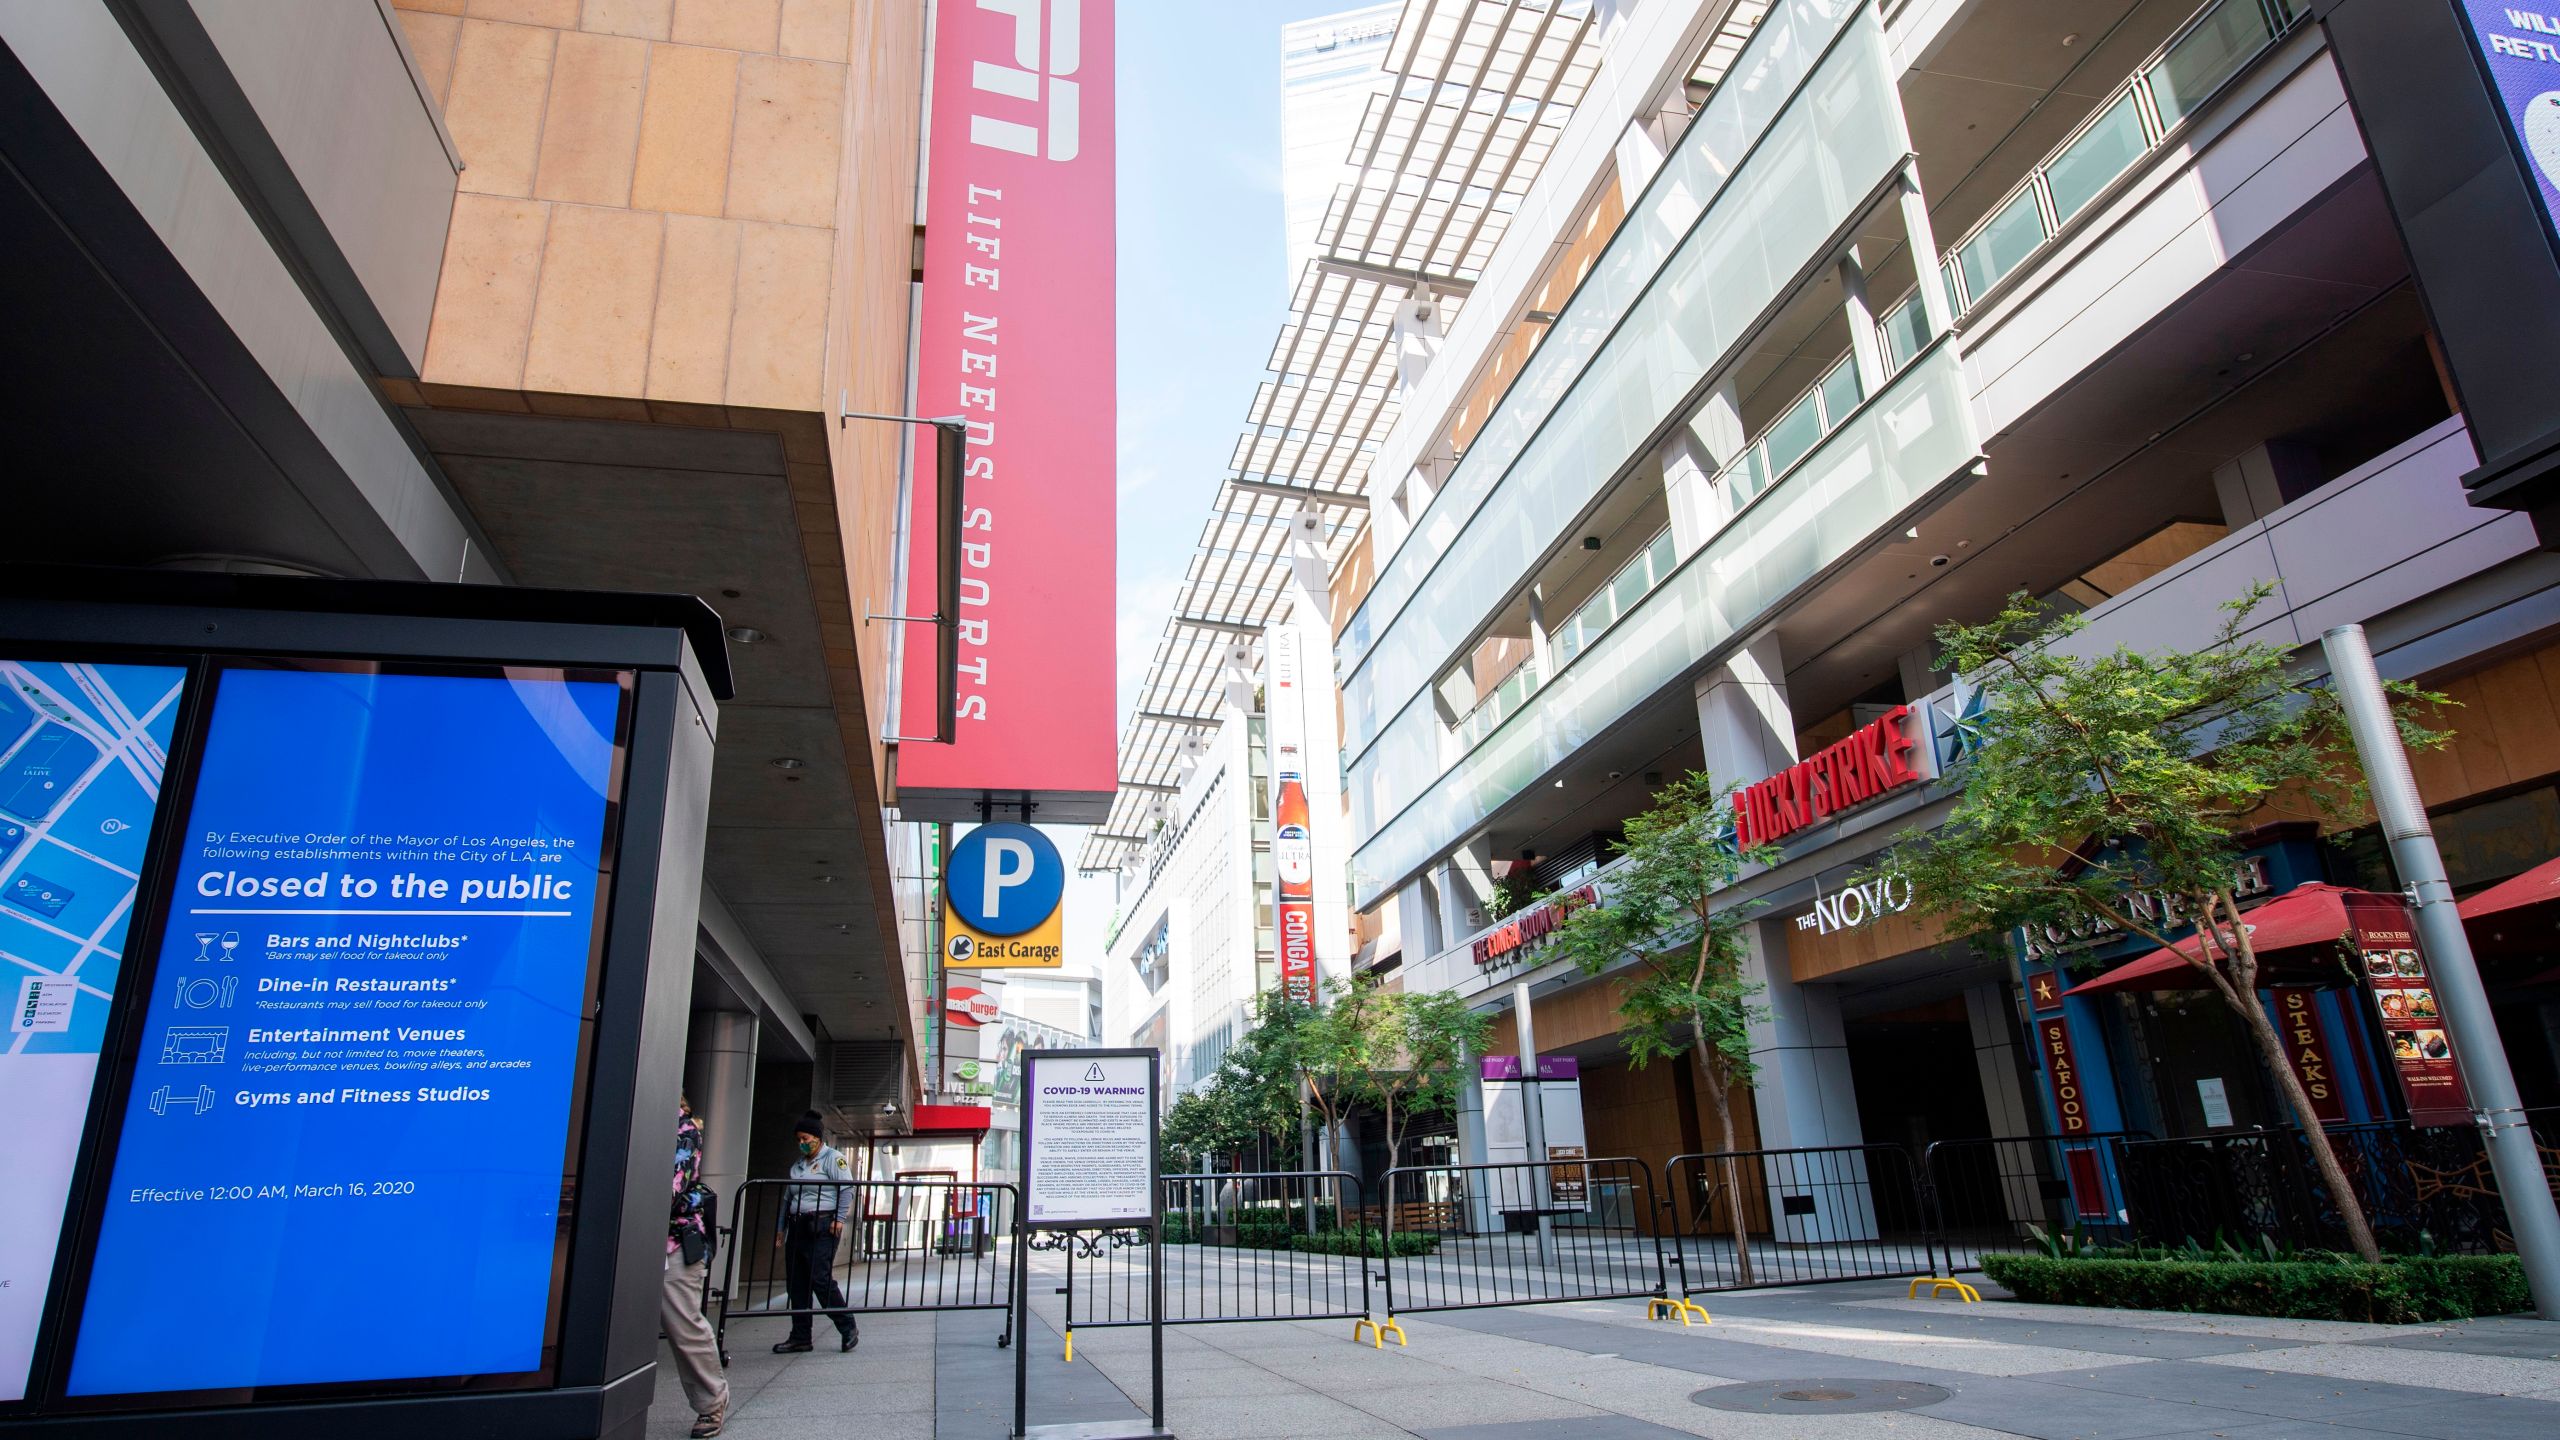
{"x": 809, "y": 1270}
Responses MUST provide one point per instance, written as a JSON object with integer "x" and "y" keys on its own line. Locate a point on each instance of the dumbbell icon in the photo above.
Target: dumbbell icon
{"x": 162, "y": 1101}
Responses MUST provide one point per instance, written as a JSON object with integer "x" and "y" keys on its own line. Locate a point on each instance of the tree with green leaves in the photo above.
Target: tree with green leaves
{"x": 1250, "y": 1101}
{"x": 1678, "y": 952}
{"x": 2149, "y": 768}
{"x": 1405, "y": 1052}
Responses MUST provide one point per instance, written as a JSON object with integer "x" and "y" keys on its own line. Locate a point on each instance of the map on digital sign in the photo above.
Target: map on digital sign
{"x": 82, "y": 751}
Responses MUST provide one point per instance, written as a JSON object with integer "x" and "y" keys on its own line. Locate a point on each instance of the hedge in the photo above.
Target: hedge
{"x": 2402, "y": 1290}
{"x": 1268, "y": 1230}
{"x": 1361, "y": 1240}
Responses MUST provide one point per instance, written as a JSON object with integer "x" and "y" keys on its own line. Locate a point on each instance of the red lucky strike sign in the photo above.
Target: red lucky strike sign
{"x": 1848, "y": 772}
{"x": 1017, "y": 338}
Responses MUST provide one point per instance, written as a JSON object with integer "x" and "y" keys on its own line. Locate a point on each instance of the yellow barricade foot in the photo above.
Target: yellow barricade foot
{"x": 1664, "y": 1308}
{"x": 1071, "y": 1347}
{"x": 1940, "y": 1284}
{"x": 1376, "y": 1331}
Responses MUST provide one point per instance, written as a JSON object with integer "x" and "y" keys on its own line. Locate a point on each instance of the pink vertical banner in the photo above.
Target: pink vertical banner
{"x": 1017, "y": 338}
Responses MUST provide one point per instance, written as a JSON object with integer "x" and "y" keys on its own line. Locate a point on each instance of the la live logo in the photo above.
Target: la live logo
{"x": 1024, "y": 79}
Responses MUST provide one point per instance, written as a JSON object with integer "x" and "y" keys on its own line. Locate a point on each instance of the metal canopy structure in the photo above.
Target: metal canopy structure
{"x": 1472, "y": 97}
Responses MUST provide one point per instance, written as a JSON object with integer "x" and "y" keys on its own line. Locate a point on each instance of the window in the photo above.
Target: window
{"x": 1998, "y": 247}
{"x": 2196, "y": 63}
{"x": 2096, "y": 157}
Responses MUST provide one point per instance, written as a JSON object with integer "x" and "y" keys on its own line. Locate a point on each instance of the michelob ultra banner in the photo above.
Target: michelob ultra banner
{"x": 1292, "y": 846}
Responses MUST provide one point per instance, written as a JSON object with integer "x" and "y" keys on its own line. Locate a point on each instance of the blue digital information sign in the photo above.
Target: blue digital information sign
{"x": 2520, "y": 46}
{"x": 342, "y": 1152}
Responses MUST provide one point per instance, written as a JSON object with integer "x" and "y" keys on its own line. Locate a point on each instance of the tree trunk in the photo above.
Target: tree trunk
{"x": 2240, "y": 993}
{"x": 2323, "y": 1154}
{"x": 1712, "y": 1068}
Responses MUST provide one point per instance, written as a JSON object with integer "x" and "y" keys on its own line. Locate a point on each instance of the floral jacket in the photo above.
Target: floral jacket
{"x": 684, "y": 1207}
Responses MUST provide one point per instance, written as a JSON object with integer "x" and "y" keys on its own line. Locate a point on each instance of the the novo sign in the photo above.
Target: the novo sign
{"x": 1855, "y": 905}
{"x": 1837, "y": 777}
{"x": 1510, "y": 941}
{"x": 1016, "y": 337}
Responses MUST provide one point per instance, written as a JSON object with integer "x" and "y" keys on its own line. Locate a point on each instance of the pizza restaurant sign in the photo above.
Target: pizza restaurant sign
{"x": 1510, "y": 941}
{"x": 1840, "y": 776}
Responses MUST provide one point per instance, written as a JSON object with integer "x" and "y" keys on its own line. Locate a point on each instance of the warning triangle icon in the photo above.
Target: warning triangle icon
{"x": 1093, "y": 1072}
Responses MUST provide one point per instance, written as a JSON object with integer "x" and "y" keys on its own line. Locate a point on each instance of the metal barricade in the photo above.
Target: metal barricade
{"x": 1463, "y": 1237}
{"x": 1744, "y": 1218}
{"x": 2418, "y": 1186}
{"x": 1260, "y": 1245}
{"x": 907, "y": 1245}
{"x": 1984, "y": 1193}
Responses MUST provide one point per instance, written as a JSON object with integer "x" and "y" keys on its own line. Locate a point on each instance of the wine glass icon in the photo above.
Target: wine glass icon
{"x": 204, "y": 944}
{"x": 230, "y": 944}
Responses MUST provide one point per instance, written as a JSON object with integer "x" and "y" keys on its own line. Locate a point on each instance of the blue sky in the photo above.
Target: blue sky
{"x": 1202, "y": 292}
{"x": 1202, "y": 289}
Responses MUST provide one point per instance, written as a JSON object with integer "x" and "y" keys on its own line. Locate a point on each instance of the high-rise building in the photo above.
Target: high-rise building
{"x": 1329, "y": 70}
{"x": 1822, "y": 322}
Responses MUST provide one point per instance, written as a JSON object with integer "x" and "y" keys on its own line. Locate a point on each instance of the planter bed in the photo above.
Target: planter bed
{"x": 2402, "y": 1290}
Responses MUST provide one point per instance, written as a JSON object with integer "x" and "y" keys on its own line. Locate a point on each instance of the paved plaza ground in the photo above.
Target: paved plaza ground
{"x": 1601, "y": 1371}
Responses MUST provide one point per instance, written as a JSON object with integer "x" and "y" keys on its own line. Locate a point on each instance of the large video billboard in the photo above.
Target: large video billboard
{"x": 83, "y": 749}
{"x": 1017, "y": 337}
{"x": 356, "y": 1084}
{"x": 2520, "y": 48}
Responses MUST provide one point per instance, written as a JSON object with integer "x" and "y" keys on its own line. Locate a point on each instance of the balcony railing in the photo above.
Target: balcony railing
{"x": 1797, "y": 430}
{"x": 1881, "y": 460}
{"x": 1615, "y": 597}
{"x": 1612, "y": 601}
{"x": 2215, "y": 45}
{"x": 1506, "y": 699}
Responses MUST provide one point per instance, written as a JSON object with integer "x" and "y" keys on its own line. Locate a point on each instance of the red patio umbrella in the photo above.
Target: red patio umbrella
{"x": 2518, "y": 916}
{"x": 2295, "y": 936}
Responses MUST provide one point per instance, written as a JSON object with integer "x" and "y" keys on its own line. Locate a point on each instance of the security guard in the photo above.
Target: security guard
{"x": 813, "y": 1219}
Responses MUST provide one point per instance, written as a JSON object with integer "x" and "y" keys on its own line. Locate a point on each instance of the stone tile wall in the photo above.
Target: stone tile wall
{"x": 650, "y": 212}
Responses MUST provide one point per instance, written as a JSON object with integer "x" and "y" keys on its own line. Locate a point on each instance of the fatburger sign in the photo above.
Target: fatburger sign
{"x": 1837, "y": 777}
{"x": 969, "y": 1008}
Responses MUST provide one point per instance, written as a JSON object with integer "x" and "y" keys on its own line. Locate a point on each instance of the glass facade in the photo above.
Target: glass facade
{"x": 1834, "y": 142}
{"x": 1914, "y": 436}
{"x": 1701, "y": 171}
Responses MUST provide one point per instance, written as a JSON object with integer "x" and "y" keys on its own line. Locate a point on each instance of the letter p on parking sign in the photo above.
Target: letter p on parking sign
{"x": 1000, "y": 900}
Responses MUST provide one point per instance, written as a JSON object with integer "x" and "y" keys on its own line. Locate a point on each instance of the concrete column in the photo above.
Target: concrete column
{"x": 1923, "y": 239}
{"x": 1419, "y": 326}
{"x": 1744, "y": 724}
{"x": 1918, "y": 676}
{"x": 1863, "y": 344}
{"x": 2260, "y": 480}
{"x": 720, "y": 1080}
{"x": 1804, "y": 1097}
{"x": 1994, "y": 1023}
{"x": 1691, "y": 459}
{"x": 1469, "y": 890}
{"x": 1418, "y": 917}
{"x": 1541, "y": 650}
{"x": 1455, "y": 923}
